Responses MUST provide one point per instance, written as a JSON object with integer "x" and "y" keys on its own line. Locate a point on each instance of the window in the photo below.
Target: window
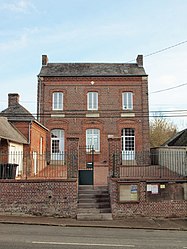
{"x": 127, "y": 101}
{"x": 41, "y": 145}
{"x": 57, "y": 101}
{"x": 128, "y": 144}
{"x": 57, "y": 144}
{"x": 92, "y": 101}
{"x": 93, "y": 139}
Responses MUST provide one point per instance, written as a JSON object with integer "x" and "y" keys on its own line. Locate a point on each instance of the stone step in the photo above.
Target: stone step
{"x": 93, "y": 210}
{"x": 99, "y": 216}
{"x": 94, "y": 205}
{"x": 91, "y": 187}
{"x": 94, "y": 200}
{"x": 93, "y": 196}
{"x": 93, "y": 191}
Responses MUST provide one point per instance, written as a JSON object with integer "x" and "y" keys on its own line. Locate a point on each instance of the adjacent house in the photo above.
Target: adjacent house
{"x": 173, "y": 153}
{"x": 94, "y": 102}
{"x": 34, "y": 150}
{"x": 11, "y": 145}
{"x": 179, "y": 139}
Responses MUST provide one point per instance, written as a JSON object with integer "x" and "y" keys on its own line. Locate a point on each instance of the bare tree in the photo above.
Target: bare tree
{"x": 161, "y": 130}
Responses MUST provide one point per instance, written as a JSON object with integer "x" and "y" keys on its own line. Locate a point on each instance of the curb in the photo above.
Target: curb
{"x": 93, "y": 226}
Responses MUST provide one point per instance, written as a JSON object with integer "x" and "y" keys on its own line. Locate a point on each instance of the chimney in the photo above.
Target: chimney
{"x": 13, "y": 99}
{"x": 44, "y": 60}
{"x": 139, "y": 60}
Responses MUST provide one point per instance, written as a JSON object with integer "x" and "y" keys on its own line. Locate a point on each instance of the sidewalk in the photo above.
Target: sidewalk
{"x": 125, "y": 223}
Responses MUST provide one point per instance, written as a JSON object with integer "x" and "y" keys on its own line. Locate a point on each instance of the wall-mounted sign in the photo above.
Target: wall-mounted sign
{"x": 153, "y": 188}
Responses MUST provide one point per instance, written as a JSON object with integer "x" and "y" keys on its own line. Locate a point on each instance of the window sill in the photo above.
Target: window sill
{"x": 127, "y": 114}
{"x": 92, "y": 115}
{"x": 58, "y": 115}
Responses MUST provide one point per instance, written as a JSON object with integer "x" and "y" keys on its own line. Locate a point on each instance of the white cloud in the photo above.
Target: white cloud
{"x": 19, "y": 6}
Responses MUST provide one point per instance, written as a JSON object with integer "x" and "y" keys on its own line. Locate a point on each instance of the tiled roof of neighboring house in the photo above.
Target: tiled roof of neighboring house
{"x": 9, "y": 132}
{"x": 179, "y": 139}
{"x": 91, "y": 69}
{"x": 17, "y": 113}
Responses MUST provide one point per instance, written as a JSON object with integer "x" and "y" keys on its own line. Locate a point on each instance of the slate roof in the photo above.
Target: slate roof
{"x": 179, "y": 139}
{"x": 9, "y": 132}
{"x": 91, "y": 69}
{"x": 17, "y": 113}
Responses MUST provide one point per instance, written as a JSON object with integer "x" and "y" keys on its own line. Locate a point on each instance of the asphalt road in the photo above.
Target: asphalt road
{"x": 51, "y": 237}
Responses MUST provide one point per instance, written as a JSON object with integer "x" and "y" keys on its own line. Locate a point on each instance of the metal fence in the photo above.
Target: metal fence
{"x": 155, "y": 164}
{"x": 173, "y": 158}
{"x": 171, "y": 164}
{"x": 34, "y": 165}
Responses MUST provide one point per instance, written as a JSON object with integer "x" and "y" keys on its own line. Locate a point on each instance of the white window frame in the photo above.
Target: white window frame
{"x": 92, "y": 101}
{"x": 128, "y": 144}
{"x": 93, "y": 139}
{"x": 58, "y": 100}
{"x": 127, "y": 100}
{"x": 57, "y": 137}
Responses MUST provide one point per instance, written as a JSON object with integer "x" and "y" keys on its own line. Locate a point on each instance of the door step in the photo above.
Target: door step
{"x": 93, "y": 203}
{"x": 91, "y": 216}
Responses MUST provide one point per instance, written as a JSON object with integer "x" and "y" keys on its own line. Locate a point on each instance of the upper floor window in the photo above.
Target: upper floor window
{"x": 127, "y": 101}
{"x": 92, "y": 101}
{"x": 57, "y": 101}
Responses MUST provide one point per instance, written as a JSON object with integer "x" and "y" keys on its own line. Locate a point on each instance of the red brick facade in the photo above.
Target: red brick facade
{"x": 110, "y": 118}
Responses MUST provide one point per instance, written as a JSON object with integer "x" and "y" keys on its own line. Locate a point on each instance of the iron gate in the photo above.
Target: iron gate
{"x": 86, "y": 165}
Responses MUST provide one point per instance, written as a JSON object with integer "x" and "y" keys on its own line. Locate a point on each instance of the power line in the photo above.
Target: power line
{"x": 163, "y": 49}
{"x": 170, "y": 88}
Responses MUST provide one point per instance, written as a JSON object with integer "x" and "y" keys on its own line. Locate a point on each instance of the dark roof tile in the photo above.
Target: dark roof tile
{"x": 91, "y": 69}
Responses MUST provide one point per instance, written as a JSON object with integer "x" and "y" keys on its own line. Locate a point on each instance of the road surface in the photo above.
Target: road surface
{"x": 14, "y": 236}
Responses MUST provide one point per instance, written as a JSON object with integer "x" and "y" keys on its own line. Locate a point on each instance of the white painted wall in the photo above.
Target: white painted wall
{"x": 16, "y": 156}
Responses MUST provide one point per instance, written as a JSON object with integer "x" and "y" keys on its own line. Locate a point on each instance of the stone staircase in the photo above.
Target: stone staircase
{"x": 93, "y": 203}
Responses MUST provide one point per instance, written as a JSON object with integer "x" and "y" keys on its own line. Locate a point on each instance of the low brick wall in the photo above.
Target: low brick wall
{"x": 144, "y": 206}
{"x": 39, "y": 197}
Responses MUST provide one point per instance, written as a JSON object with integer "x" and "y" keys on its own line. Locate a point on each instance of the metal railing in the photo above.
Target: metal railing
{"x": 155, "y": 164}
{"x": 34, "y": 165}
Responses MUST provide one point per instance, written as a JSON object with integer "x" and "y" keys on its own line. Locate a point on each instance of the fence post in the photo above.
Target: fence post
{"x": 114, "y": 156}
{"x": 72, "y": 157}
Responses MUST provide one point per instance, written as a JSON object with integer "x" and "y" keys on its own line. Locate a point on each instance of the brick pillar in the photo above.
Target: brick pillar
{"x": 72, "y": 157}
{"x": 114, "y": 156}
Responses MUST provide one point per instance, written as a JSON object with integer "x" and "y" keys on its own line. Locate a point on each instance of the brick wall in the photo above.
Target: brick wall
{"x": 39, "y": 197}
{"x": 109, "y": 121}
{"x": 145, "y": 206}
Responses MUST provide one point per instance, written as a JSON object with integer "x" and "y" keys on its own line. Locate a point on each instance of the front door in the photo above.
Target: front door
{"x": 128, "y": 144}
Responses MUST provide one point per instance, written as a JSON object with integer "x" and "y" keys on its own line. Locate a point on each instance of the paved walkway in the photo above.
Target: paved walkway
{"x": 132, "y": 223}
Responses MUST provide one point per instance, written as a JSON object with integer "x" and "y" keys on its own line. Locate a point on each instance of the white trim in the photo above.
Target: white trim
{"x": 58, "y": 115}
{"x": 128, "y": 115}
{"x": 92, "y": 115}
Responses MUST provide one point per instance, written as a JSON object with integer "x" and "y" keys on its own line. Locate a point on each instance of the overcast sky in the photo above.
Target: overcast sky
{"x": 95, "y": 31}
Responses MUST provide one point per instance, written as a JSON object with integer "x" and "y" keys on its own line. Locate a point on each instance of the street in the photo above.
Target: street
{"x": 14, "y": 236}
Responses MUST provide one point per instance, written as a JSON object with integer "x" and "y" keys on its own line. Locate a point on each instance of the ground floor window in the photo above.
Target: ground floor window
{"x": 93, "y": 139}
{"x": 128, "y": 144}
{"x": 57, "y": 144}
